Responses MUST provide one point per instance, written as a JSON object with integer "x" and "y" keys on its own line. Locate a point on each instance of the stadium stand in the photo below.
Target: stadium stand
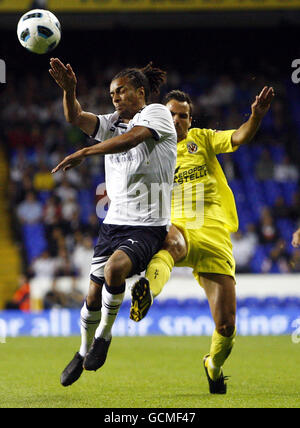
{"x": 10, "y": 263}
{"x": 60, "y": 211}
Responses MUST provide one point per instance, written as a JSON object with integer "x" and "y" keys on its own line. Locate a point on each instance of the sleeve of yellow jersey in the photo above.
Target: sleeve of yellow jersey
{"x": 220, "y": 141}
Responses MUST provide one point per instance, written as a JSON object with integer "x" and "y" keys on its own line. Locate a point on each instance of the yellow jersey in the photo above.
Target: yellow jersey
{"x": 200, "y": 186}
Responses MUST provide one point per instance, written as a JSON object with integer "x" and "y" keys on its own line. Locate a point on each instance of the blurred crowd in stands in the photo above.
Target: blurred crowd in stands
{"x": 54, "y": 216}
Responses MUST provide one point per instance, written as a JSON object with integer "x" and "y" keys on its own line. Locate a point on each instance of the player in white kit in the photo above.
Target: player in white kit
{"x": 140, "y": 145}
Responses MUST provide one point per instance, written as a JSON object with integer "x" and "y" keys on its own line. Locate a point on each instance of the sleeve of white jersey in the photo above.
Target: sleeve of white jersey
{"x": 158, "y": 119}
{"x": 102, "y": 131}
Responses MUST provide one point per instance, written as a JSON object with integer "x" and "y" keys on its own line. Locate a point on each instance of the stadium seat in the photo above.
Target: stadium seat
{"x": 254, "y": 190}
{"x": 286, "y": 228}
{"x": 256, "y": 152}
{"x": 44, "y": 196}
{"x": 98, "y": 179}
{"x": 245, "y": 217}
{"x": 271, "y": 191}
{"x": 258, "y": 259}
{"x": 275, "y": 268}
{"x": 267, "y": 123}
{"x": 256, "y": 206}
{"x": 288, "y": 190}
{"x": 239, "y": 194}
{"x": 243, "y": 157}
{"x": 277, "y": 153}
{"x": 34, "y": 240}
{"x": 31, "y": 156}
{"x": 86, "y": 203}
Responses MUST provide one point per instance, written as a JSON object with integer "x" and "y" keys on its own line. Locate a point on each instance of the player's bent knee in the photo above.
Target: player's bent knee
{"x": 115, "y": 272}
{"x": 112, "y": 272}
{"x": 226, "y": 330}
{"x": 177, "y": 248}
{"x": 175, "y": 244}
{"x": 119, "y": 265}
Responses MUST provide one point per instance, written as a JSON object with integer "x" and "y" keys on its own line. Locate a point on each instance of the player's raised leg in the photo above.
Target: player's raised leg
{"x": 116, "y": 271}
{"x": 157, "y": 274}
{"x": 220, "y": 291}
{"x": 90, "y": 316}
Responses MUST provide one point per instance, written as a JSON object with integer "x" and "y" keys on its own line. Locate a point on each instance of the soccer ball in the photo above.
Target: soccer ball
{"x": 39, "y": 31}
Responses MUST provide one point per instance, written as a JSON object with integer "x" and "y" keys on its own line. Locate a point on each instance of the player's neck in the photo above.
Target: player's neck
{"x": 181, "y": 138}
{"x": 127, "y": 117}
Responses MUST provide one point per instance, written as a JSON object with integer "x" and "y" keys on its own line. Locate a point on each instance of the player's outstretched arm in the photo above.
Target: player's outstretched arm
{"x": 259, "y": 109}
{"x": 121, "y": 143}
{"x": 296, "y": 239}
{"x": 65, "y": 77}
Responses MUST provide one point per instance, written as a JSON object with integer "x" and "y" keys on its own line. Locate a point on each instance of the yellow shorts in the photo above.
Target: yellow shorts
{"x": 209, "y": 249}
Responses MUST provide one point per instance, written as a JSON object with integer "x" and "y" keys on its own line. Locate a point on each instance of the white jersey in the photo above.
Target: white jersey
{"x": 139, "y": 182}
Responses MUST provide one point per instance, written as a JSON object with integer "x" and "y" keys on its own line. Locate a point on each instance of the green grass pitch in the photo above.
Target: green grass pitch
{"x": 150, "y": 372}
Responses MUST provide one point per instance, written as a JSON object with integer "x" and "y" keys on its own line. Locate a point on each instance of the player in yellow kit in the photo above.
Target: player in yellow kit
{"x": 203, "y": 216}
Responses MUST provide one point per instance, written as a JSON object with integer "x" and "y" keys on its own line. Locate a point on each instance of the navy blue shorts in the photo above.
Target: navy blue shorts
{"x": 140, "y": 243}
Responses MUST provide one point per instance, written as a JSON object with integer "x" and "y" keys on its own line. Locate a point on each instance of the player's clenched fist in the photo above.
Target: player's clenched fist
{"x": 63, "y": 75}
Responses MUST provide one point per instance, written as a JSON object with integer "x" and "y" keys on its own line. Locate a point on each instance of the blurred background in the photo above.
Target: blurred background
{"x": 222, "y": 52}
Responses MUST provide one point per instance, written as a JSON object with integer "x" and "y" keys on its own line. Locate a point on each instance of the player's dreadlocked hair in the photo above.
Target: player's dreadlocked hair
{"x": 179, "y": 96}
{"x": 149, "y": 77}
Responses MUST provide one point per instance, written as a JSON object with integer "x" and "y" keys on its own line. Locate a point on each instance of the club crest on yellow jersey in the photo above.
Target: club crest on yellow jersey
{"x": 192, "y": 147}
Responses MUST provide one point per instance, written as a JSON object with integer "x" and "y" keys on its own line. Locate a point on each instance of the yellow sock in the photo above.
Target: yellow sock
{"x": 220, "y": 349}
{"x": 159, "y": 270}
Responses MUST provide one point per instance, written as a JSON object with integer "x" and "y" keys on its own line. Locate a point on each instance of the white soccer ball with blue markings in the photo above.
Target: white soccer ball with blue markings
{"x": 39, "y": 31}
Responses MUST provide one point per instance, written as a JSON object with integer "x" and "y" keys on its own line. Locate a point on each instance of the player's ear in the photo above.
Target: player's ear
{"x": 141, "y": 91}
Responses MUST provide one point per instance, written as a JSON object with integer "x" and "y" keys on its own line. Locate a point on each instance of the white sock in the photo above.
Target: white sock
{"x": 111, "y": 304}
{"x": 89, "y": 321}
